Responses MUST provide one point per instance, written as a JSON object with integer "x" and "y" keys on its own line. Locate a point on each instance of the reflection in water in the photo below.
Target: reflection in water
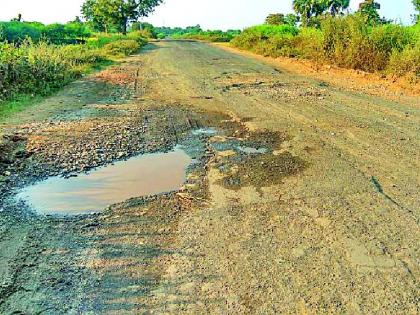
{"x": 144, "y": 175}
{"x": 249, "y": 150}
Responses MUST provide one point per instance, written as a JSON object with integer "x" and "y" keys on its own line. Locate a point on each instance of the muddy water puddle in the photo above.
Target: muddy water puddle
{"x": 144, "y": 175}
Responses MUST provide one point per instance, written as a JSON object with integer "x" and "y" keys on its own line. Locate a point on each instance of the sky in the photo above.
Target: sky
{"x": 210, "y": 14}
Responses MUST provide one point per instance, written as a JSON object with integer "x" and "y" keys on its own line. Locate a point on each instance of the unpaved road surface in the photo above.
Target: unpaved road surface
{"x": 303, "y": 198}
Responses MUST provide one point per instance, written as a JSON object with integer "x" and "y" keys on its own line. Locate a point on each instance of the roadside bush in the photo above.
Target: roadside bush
{"x": 266, "y": 39}
{"x": 102, "y": 39}
{"x": 123, "y": 47}
{"x": 40, "y": 68}
{"x": 81, "y": 55}
{"x": 146, "y": 33}
{"x": 32, "y": 68}
{"x": 308, "y": 44}
{"x": 344, "y": 41}
{"x": 406, "y": 62}
{"x": 210, "y": 36}
{"x": 350, "y": 42}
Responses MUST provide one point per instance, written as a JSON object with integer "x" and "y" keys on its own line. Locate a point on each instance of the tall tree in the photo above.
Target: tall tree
{"x": 275, "y": 19}
{"x": 307, "y": 9}
{"x": 117, "y": 13}
{"x": 337, "y": 6}
{"x": 304, "y": 8}
{"x": 369, "y": 9}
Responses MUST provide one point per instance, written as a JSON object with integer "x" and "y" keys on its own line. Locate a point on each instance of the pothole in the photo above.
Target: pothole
{"x": 144, "y": 175}
{"x": 250, "y": 150}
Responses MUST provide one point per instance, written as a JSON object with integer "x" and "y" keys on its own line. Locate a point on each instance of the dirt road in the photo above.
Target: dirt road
{"x": 304, "y": 197}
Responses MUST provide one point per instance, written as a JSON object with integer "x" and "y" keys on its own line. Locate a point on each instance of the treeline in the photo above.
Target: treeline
{"x": 189, "y": 32}
{"x": 69, "y": 33}
{"x": 363, "y": 40}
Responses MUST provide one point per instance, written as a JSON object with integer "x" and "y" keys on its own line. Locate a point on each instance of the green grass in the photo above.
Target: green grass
{"x": 19, "y": 103}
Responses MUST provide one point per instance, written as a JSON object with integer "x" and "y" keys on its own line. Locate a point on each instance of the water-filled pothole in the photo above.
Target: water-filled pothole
{"x": 144, "y": 175}
{"x": 250, "y": 150}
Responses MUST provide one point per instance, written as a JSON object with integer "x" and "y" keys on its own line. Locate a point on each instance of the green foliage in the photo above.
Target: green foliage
{"x": 30, "y": 68}
{"x": 406, "y": 62}
{"x": 178, "y": 31}
{"x": 416, "y": 4}
{"x": 254, "y": 38}
{"x": 17, "y": 32}
{"x": 279, "y": 19}
{"x": 291, "y": 19}
{"x": 275, "y": 19}
{"x": 122, "y": 47}
{"x": 196, "y": 33}
{"x": 107, "y": 14}
{"x": 369, "y": 10}
{"x": 348, "y": 42}
{"x": 310, "y": 10}
{"x": 211, "y": 36}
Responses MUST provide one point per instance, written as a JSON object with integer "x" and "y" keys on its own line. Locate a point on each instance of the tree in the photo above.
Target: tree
{"x": 369, "y": 10}
{"x": 416, "y": 4}
{"x": 291, "y": 19}
{"x": 308, "y": 9}
{"x": 104, "y": 14}
{"x": 337, "y": 6}
{"x": 275, "y": 19}
{"x": 304, "y": 8}
{"x": 17, "y": 19}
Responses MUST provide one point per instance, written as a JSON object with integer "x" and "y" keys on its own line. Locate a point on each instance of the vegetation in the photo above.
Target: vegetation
{"x": 36, "y": 59}
{"x": 310, "y": 10}
{"x": 416, "y": 4}
{"x": 17, "y": 32}
{"x": 363, "y": 40}
{"x": 105, "y": 15}
{"x": 196, "y": 33}
{"x": 280, "y": 19}
{"x": 38, "y": 68}
{"x": 211, "y": 36}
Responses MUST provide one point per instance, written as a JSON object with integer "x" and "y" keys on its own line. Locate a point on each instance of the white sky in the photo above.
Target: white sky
{"x": 212, "y": 14}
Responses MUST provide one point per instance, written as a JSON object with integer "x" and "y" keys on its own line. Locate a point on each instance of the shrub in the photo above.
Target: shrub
{"x": 81, "y": 54}
{"x": 265, "y": 38}
{"x": 40, "y": 68}
{"x": 347, "y": 41}
{"x": 32, "y": 68}
{"x": 122, "y": 47}
{"x": 309, "y": 44}
{"x": 350, "y": 42}
{"x": 406, "y": 62}
{"x": 211, "y": 36}
{"x": 17, "y": 32}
